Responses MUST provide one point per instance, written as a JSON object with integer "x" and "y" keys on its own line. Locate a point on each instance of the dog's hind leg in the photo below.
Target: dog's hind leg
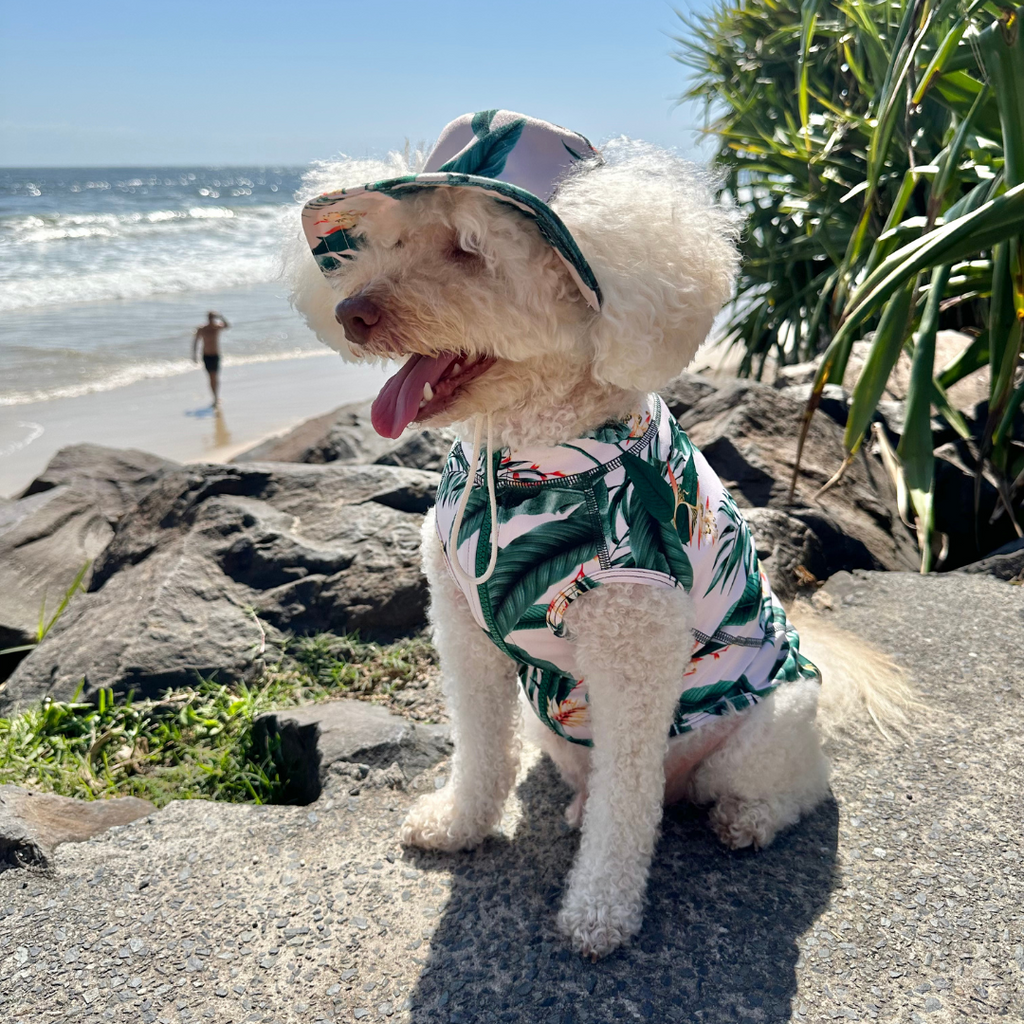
{"x": 480, "y": 689}
{"x": 769, "y": 772}
{"x": 632, "y": 644}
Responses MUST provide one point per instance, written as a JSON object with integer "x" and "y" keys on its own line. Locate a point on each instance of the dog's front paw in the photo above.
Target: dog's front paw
{"x": 597, "y": 923}
{"x": 436, "y": 822}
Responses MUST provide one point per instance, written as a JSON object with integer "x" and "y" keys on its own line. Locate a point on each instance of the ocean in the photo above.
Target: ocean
{"x": 105, "y": 273}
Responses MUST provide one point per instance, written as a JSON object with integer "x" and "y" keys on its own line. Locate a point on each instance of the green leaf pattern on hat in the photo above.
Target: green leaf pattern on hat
{"x": 543, "y": 158}
{"x": 486, "y": 156}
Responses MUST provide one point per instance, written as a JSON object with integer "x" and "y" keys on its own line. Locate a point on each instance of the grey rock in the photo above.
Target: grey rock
{"x": 948, "y": 346}
{"x": 421, "y": 449}
{"x": 796, "y": 375}
{"x": 32, "y": 824}
{"x": 747, "y": 432}
{"x": 213, "y": 556}
{"x": 1005, "y": 563}
{"x": 315, "y": 737}
{"x": 789, "y": 549}
{"x": 347, "y": 435}
{"x": 63, "y": 519}
{"x": 344, "y": 435}
{"x": 686, "y": 391}
{"x": 834, "y": 402}
{"x": 971, "y": 534}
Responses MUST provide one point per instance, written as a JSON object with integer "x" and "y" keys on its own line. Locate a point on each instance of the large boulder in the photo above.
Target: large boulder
{"x": 748, "y": 433}
{"x": 1005, "y": 563}
{"x": 313, "y": 739}
{"x": 964, "y": 394}
{"x": 347, "y": 435}
{"x": 215, "y": 557}
{"x": 344, "y": 435}
{"x": 62, "y": 521}
{"x": 968, "y": 513}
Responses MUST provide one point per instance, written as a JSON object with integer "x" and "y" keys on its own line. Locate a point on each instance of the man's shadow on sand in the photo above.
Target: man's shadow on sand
{"x": 718, "y": 942}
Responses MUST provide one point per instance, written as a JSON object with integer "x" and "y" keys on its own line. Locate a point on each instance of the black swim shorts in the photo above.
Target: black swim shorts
{"x": 212, "y": 363}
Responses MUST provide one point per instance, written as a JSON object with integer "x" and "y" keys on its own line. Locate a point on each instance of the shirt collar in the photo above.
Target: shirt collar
{"x": 595, "y": 450}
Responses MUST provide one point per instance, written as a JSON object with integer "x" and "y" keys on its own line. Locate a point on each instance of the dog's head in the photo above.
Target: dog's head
{"x": 488, "y": 317}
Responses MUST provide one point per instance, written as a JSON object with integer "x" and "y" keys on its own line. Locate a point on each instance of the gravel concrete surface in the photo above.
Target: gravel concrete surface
{"x": 899, "y": 900}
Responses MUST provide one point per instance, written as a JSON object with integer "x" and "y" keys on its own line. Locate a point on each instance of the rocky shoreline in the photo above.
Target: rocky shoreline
{"x": 196, "y": 571}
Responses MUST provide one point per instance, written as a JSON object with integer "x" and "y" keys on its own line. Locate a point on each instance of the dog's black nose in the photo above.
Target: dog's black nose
{"x": 357, "y": 315}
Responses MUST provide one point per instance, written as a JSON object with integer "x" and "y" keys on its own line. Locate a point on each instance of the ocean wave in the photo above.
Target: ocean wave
{"x": 41, "y": 228}
{"x": 134, "y": 372}
{"x": 50, "y": 260}
{"x": 141, "y": 281}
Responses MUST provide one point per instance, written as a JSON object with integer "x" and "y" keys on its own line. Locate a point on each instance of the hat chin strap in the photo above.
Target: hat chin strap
{"x": 467, "y": 579}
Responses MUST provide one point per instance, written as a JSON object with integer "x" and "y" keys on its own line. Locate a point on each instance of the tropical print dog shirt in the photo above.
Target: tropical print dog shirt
{"x": 632, "y": 502}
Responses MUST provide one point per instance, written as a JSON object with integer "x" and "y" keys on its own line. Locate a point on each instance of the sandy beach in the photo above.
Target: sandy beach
{"x": 172, "y": 416}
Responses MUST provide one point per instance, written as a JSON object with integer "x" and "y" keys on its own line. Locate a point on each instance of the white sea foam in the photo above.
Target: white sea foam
{"x": 190, "y": 274}
{"x": 40, "y": 228}
{"x": 155, "y": 370}
{"x": 56, "y": 259}
{"x": 103, "y": 273}
{"x": 30, "y": 432}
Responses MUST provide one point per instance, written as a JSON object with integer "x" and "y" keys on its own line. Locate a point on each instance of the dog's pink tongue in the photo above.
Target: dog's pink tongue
{"x": 399, "y": 400}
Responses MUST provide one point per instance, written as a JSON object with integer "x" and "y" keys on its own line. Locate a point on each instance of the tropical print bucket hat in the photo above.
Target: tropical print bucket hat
{"x": 513, "y": 158}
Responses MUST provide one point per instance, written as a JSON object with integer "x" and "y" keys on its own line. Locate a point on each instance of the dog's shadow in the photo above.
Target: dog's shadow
{"x": 718, "y": 941}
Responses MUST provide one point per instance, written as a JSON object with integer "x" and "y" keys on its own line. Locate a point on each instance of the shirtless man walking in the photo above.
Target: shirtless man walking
{"x": 209, "y": 334}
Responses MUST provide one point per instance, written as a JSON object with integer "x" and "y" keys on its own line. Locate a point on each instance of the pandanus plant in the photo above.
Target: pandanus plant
{"x": 877, "y": 149}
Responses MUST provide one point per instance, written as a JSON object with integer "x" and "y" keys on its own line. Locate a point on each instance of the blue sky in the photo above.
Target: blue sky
{"x": 129, "y": 83}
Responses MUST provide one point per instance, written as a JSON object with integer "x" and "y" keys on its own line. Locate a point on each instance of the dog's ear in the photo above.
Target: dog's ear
{"x": 663, "y": 253}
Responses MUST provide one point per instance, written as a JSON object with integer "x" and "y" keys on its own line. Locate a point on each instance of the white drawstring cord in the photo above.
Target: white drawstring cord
{"x": 467, "y": 579}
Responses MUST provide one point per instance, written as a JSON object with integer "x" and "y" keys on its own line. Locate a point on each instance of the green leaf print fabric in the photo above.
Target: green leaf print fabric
{"x": 516, "y": 160}
{"x": 634, "y": 502}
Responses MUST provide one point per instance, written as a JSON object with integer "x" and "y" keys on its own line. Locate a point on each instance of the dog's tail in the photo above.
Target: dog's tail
{"x": 856, "y": 678}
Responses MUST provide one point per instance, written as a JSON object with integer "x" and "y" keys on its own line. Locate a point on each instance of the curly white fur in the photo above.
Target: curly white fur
{"x": 480, "y": 691}
{"x": 452, "y": 270}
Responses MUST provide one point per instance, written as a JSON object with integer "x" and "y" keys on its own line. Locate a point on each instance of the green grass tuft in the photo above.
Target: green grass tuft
{"x": 196, "y": 742}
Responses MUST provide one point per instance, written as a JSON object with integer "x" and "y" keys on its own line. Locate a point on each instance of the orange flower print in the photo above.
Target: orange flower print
{"x": 570, "y": 713}
{"x": 338, "y": 220}
{"x": 674, "y": 482}
{"x": 637, "y": 423}
{"x": 707, "y": 524}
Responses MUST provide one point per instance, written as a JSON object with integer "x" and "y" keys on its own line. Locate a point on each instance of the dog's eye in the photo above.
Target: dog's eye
{"x": 398, "y": 244}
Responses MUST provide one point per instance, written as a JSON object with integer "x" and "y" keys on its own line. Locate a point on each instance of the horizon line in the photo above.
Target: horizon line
{"x": 128, "y": 167}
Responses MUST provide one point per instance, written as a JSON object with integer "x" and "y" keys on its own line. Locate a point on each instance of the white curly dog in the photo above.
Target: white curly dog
{"x": 535, "y": 286}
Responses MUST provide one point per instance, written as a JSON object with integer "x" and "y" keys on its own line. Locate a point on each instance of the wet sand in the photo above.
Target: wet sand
{"x": 172, "y": 416}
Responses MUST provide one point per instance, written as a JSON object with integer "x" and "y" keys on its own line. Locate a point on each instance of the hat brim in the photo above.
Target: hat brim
{"x": 331, "y": 222}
